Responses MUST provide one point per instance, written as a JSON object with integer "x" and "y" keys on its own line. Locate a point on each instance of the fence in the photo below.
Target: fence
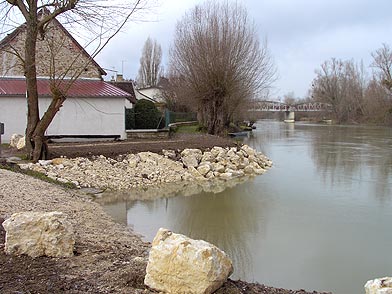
{"x": 175, "y": 117}
{"x": 168, "y": 117}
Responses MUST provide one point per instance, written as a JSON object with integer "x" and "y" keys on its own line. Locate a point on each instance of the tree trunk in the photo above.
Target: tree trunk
{"x": 40, "y": 145}
{"x": 214, "y": 114}
{"x": 31, "y": 85}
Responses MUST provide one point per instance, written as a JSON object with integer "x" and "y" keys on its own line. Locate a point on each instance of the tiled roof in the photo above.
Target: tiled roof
{"x": 127, "y": 86}
{"x": 79, "y": 88}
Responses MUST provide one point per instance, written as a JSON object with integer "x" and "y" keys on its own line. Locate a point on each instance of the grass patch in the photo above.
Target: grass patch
{"x": 190, "y": 129}
{"x": 15, "y": 168}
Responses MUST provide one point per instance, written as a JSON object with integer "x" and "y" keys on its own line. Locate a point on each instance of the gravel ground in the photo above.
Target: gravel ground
{"x": 108, "y": 257}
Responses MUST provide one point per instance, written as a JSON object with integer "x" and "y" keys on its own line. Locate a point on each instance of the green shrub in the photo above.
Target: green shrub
{"x": 147, "y": 115}
{"x": 129, "y": 119}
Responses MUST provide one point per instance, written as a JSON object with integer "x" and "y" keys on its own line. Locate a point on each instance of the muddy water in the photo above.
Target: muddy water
{"x": 320, "y": 219}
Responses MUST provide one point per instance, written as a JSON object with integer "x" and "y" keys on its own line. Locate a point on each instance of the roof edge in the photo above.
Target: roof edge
{"x": 8, "y": 38}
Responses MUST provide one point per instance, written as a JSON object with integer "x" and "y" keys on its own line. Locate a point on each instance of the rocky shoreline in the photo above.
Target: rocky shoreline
{"x": 108, "y": 257}
{"x": 209, "y": 169}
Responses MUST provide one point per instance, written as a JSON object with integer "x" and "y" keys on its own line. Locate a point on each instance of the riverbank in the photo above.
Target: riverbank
{"x": 109, "y": 258}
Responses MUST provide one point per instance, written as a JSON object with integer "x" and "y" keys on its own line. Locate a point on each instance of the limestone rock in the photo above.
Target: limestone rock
{"x": 178, "y": 264}
{"x": 169, "y": 154}
{"x": 217, "y": 167}
{"x": 39, "y": 234}
{"x": 191, "y": 157}
{"x": 149, "y": 158}
{"x": 248, "y": 150}
{"x": 249, "y": 170}
{"x": 208, "y": 156}
{"x": 58, "y": 161}
{"x": 217, "y": 150}
{"x": 44, "y": 162}
{"x": 195, "y": 173}
{"x": 226, "y": 175}
{"x": 210, "y": 175}
{"x": 15, "y": 139}
{"x": 243, "y": 163}
{"x": 204, "y": 169}
{"x": 379, "y": 286}
{"x": 133, "y": 160}
{"x": 21, "y": 143}
{"x": 231, "y": 153}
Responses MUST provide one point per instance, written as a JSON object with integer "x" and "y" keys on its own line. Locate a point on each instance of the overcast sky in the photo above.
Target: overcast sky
{"x": 301, "y": 35}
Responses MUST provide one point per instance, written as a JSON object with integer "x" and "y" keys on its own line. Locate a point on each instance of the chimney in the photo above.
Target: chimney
{"x": 119, "y": 78}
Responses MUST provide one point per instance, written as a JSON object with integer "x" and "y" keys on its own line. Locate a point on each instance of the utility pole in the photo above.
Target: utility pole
{"x": 122, "y": 66}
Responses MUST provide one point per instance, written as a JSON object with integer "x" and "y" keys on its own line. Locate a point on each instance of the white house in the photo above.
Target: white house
{"x": 93, "y": 107}
{"x": 154, "y": 94}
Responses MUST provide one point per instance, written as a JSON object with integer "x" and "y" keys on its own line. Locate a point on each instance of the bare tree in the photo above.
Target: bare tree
{"x": 101, "y": 19}
{"x": 289, "y": 98}
{"x": 382, "y": 97}
{"x": 150, "y": 64}
{"x": 382, "y": 62}
{"x": 218, "y": 63}
{"x": 341, "y": 84}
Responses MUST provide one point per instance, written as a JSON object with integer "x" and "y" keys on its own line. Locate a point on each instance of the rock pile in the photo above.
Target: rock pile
{"x": 379, "y": 286}
{"x": 147, "y": 168}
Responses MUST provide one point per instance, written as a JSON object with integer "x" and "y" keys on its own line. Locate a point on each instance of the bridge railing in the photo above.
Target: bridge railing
{"x": 274, "y": 106}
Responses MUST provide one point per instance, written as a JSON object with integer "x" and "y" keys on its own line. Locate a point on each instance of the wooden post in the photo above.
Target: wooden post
{"x": 1, "y": 133}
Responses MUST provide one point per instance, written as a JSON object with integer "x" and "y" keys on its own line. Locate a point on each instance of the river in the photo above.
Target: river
{"x": 319, "y": 219}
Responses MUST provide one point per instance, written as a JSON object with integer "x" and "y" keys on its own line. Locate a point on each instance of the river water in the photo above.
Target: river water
{"x": 319, "y": 219}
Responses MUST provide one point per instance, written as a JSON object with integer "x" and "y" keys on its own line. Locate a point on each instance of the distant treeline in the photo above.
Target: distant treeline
{"x": 355, "y": 95}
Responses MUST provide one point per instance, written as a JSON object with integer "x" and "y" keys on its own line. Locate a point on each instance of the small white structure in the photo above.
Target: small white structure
{"x": 154, "y": 94}
{"x": 93, "y": 107}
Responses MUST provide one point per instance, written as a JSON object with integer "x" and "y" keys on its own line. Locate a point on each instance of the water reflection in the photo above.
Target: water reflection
{"x": 350, "y": 154}
{"x": 319, "y": 219}
{"x": 168, "y": 190}
{"x": 225, "y": 219}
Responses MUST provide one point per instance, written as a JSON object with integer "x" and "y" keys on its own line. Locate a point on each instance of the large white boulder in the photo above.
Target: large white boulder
{"x": 21, "y": 143}
{"x": 379, "y": 286}
{"x": 39, "y": 234}
{"x": 15, "y": 139}
{"x": 178, "y": 264}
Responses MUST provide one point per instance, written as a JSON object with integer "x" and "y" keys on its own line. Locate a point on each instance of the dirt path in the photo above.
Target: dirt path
{"x": 112, "y": 149}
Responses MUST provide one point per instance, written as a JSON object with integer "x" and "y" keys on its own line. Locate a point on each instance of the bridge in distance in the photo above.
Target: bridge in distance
{"x": 273, "y": 106}
{"x": 289, "y": 109}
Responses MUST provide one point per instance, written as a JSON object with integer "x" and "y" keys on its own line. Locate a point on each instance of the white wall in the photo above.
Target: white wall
{"x": 154, "y": 93}
{"x": 78, "y": 116}
{"x": 128, "y": 104}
